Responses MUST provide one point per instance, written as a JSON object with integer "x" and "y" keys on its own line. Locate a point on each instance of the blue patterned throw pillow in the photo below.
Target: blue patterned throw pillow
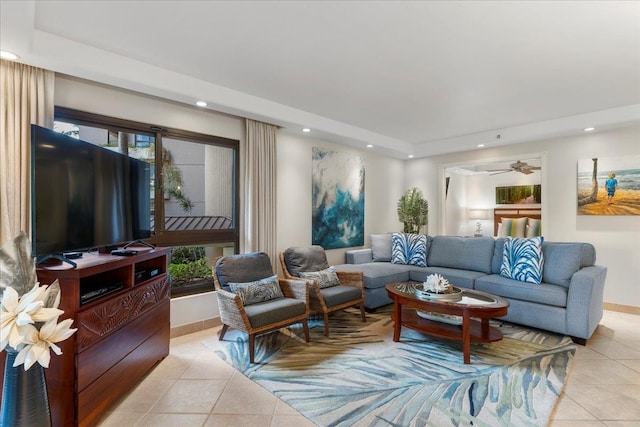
{"x": 409, "y": 249}
{"x": 522, "y": 259}
{"x": 258, "y": 291}
{"x": 326, "y": 278}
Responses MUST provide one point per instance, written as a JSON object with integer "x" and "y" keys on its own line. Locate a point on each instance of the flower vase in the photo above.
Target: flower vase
{"x": 24, "y": 395}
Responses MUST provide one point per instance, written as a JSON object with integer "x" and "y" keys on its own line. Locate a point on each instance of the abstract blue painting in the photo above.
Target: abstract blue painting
{"x": 338, "y": 199}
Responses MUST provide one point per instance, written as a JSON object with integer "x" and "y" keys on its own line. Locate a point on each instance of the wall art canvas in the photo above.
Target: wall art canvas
{"x": 338, "y": 199}
{"x": 519, "y": 194}
{"x": 609, "y": 186}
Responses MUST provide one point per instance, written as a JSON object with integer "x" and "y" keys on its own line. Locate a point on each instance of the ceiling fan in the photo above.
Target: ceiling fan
{"x": 522, "y": 167}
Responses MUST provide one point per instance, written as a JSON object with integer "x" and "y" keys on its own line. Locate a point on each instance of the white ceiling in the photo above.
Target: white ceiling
{"x": 421, "y": 78}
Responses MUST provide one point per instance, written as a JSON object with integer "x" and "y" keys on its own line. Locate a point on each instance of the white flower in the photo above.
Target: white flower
{"x": 38, "y": 342}
{"x": 18, "y": 312}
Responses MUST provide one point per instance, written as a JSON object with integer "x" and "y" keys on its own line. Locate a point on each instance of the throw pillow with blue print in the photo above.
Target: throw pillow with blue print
{"x": 409, "y": 249}
{"x": 522, "y": 259}
{"x": 258, "y": 291}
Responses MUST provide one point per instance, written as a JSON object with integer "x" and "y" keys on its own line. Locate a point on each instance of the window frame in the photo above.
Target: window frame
{"x": 160, "y": 236}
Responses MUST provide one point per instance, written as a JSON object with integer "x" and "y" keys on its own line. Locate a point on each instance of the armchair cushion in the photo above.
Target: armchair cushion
{"x": 258, "y": 290}
{"x": 326, "y": 278}
{"x": 340, "y": 294}
{"x": 243, "y": 268}
{"x": 309, "y": 258}
{"x": 274, "y": 311}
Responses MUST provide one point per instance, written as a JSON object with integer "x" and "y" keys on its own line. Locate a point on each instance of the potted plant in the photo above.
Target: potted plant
{"x": 413, "y": 211}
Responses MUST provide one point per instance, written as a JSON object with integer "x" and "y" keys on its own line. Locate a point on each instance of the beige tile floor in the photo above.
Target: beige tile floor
{"x": 192, "y": 387}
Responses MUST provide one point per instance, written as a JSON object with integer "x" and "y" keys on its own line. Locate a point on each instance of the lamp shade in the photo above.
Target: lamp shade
{"x": 478, "y": 214}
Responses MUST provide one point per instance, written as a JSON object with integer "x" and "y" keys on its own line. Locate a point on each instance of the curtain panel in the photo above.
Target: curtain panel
{"x": 27, "y": 96}
{"x": 260, "y": 190}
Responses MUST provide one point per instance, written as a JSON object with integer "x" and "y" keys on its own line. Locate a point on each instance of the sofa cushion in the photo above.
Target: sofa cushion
{"x": 522, "y": 259}
{"x": 378, "y": 274}
{"x": 544, "y": 293}
{"x": 463, "y": 253}
{"x": 337, "y": 295}
{"x": 305, "y": 258}
{"x": 409, "y": 249}
{"x": 276, "y": 310}
{"x": 562, "y": 260}
{"x": 326, "y": 278}
{"x": 496, "y": 260}
{"x": 258, "y": 290}
{"x": 381, "y": 245}
{"x": 459, "y": 278}
{"x": 243, "y": 268}
{"x": 588, "y": 255}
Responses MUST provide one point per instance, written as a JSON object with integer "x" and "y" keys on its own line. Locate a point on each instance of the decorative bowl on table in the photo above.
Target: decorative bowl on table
{"x": 437, "y": 287}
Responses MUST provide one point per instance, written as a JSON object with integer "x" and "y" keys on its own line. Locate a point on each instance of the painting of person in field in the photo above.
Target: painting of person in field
{"x": 609, "y": 186}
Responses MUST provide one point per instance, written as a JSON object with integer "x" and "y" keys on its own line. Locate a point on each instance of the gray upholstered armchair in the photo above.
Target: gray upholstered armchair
{"x": 310, "y": 263}
{"x": 252, "y": 299}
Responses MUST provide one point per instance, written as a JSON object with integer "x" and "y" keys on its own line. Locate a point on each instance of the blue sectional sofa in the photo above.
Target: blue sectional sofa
{"x": 568, "y": 301}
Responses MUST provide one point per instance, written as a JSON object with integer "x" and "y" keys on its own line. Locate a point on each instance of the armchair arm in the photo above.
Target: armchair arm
{"x": 298, "y": 289}
{"x": 585, "y": 301}
{"x": 351, "y": 278}
{"x": 232, "y": 311}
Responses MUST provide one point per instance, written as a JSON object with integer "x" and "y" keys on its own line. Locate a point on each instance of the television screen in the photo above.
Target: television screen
{"x": 85, "y": 196}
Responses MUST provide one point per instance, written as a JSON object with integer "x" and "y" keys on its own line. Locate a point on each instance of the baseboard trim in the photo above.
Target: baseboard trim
{"x": 198, "y": 326}
{"x": 630, "y": 309}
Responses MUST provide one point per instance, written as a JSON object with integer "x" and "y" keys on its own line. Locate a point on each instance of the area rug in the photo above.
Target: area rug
{"x": 360, "y": 377}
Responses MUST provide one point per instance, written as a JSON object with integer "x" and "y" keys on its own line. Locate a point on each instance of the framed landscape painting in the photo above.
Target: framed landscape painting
{"x": 609, "y": 186}
{"x": 519, "y": 194}
{"x": 337, "y": 199}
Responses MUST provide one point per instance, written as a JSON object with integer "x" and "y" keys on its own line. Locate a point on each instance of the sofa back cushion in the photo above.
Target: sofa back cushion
{"x": 381, "y": 247}
{"x": 305, "y": 258}
{"x": 467, "y": 253}
{"x": 562, "y": 260}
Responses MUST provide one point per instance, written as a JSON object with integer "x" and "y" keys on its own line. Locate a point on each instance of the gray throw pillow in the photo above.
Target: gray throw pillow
{"x": 257, "y": 291}
{"x": 325, "y": 278}
{"x": 381, "y": 247}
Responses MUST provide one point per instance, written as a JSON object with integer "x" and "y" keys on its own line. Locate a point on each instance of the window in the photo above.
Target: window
{"x": 194, "y": 194}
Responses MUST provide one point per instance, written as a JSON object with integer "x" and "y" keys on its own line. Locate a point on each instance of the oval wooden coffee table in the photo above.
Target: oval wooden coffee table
{"x": 457, "y": 318}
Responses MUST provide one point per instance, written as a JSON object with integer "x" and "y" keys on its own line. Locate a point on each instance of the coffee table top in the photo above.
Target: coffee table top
{"x": 470, "y": 299}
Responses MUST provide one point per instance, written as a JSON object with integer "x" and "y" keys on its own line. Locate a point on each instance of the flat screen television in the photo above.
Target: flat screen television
{"x": 85, "y": 196}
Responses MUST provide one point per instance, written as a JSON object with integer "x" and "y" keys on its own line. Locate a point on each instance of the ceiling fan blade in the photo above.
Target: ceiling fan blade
{"x": 498, "y": 173}
{"x": 525, "y": 171}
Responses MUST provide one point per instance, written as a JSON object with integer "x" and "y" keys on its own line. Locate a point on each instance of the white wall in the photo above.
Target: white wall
{"x": 616, "y": 238}
{"x": 383, "y": 187}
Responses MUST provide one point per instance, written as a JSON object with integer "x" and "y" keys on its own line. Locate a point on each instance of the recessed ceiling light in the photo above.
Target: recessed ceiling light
{"x": 480, "y": 145}
{"x": 369, "y": 145}
{"x": 201, "y": 104}
{"x": 410, "y": 156}
{"x": 589, "y": 129}
{"x": 4, "y": 54}
{"x": 306, "y": 130}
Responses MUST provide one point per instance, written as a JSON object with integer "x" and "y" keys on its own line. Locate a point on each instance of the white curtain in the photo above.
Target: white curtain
{"x": 26, "y": 98}
{"x": 260, "y": 190}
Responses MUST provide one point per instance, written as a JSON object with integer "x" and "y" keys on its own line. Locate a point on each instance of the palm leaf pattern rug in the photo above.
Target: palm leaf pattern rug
{"x": 360, "y": 377}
